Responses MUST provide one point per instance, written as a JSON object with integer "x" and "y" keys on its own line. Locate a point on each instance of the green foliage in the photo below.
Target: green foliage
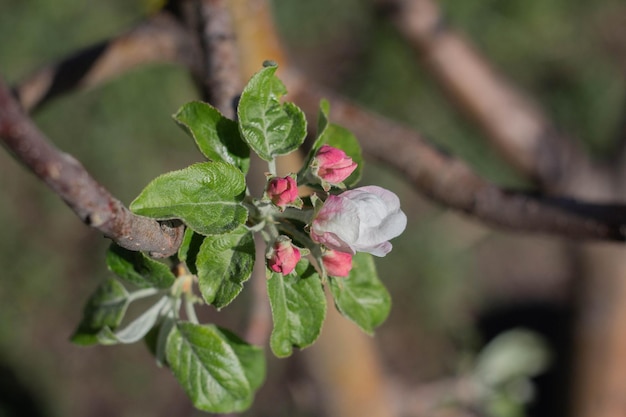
{"x": 216, "y": 136}
{"x": 137, "y": 268}
{"x": 269, "y": 127}
{"x": 137, "y": 329}
{"x": 219, "y": 371}
{"x": 105, "y": 308}
{"x": 189, "y": 248}
{"x": 224, "y": 263}
{"x": 298, "y": 308}
{"x": 206, "y": 196}
{"x": 503, "y": 372}
{"x": 361, "y": 297}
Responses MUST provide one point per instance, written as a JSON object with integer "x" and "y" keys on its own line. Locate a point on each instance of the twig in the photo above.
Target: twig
{"x": 257, "y": 39}
{"x": 446, "y": 180}
{"x": 221, "y": 77}
{"x": 159, "y": 39}
{"x": 259, "y": 324}
{"x": 453, "y": 184}
{"x": 93, "y": 204}
{"x": 516, "y": 126}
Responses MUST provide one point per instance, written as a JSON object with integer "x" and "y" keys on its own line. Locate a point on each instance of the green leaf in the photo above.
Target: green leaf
{"x": 137, "y": 329}
{"x": 156, "y": 338}
{"x": 189, "y": 248}
{"x": 298, "y": 308}
{"x": 216, "y": 136}
{"x": 251, "y": 357}
{"x": 164, "y": 330}
{"x": 218, "y": 371}
{"x": 338, "y": 137}
{"x": 322, "y": 118}
{"x": 205, "y": 196}
{"x": 361, "y": 296}
{"x": 138, "y": 268}
{"x": 224, "y": 263}
{"x": 105, "y": 308}
{"x": 269, "y": 127}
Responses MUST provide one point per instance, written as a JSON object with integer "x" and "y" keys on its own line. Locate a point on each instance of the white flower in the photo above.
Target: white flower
{"x": 359, "y": 220}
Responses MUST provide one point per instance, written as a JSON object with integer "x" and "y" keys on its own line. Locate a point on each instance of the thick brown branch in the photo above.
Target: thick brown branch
{"x": 453, "y": 184}
{"x": 517, "y": 127}
{"x": 159, "y": 39}
{"x": 68, "y": 178}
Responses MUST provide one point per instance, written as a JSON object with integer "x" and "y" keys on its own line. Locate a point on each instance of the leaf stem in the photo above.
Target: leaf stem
{"x": 272, "y": 166}
{"x": 304, "y": 216}
{"x": 191, "y": 311}
{"x": 300, "y": 236}
{"x": 147, "y": 292}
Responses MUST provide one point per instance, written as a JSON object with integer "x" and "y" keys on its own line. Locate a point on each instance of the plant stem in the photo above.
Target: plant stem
{"x": 142, "y": 294}
{"x": 191, "y": 312}
{"x": 272, "y": 167}
{"x": 303, "y": 216}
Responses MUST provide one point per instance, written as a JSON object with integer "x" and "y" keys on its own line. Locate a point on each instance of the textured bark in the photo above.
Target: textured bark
{"x": 159, "y": 39}
{"x": 91, "y": 202}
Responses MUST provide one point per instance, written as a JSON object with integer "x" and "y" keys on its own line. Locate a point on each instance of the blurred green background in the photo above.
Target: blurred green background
{"x": 445, "y": 273}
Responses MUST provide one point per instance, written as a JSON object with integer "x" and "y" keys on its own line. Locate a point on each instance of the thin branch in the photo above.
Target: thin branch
{"x": 453, "y": 184}
{"x": 93, "y": 204}
{"x": 257, "y": 39}
{"x": 159, "y": 39}
{"x": 221, "y": 77}
{"x": 517, "y": 127}
{"x": 446, "y": 180}
{"x": 259, "y": 324}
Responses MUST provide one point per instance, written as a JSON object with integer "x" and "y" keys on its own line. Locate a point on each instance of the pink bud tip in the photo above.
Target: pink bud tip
{"x": 282, "y": 191}
{"x": 284, "y": 256}
{"x": 332, "y": 164}
{"x": 337, "y": 264}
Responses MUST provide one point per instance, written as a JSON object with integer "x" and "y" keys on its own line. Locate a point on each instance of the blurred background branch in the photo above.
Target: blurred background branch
{"x": 160, "y": 38}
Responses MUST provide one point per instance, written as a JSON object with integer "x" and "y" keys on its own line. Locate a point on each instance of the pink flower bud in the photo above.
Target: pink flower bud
{"x": 283, "y": 256}
{"x": 337, "y": 264}
{"x": 363, "y": 220}
{"x": 332, "y": 165}
{"x": 282, "y": 191}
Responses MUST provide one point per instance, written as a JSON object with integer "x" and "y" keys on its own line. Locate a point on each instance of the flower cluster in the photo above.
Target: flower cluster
{"x": 359, "y": 220}
{"x": 309, "y": 242}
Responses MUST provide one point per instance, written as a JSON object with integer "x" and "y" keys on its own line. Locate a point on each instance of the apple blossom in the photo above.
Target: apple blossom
{"x": 359, "y": 220}
{"x": 283, "y": 256}
{"x": 282, "y": 191}
{"x": 332, "y": 165}
{"x": 337, "y": 264}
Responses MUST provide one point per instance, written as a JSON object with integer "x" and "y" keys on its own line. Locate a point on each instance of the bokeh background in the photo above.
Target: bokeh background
{"x": 455, "y": 283}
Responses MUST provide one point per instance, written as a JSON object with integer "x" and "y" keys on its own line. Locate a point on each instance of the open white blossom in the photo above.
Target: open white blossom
{"x": 359, "y": 220}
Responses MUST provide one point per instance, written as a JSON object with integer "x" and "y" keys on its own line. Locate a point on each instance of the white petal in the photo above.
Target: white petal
{"x": 379, "y": 250}
{"x": 392, "y": 202}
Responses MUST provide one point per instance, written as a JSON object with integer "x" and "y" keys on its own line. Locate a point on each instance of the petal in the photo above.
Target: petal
{"x": 372, "y": 211}
{"x": 332, "y": 241}
{"x": 379, "y": 250}
{"x": 391, "y": 200}
{"x": 393, "y": 225}
{"x": 340, "y": 217}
